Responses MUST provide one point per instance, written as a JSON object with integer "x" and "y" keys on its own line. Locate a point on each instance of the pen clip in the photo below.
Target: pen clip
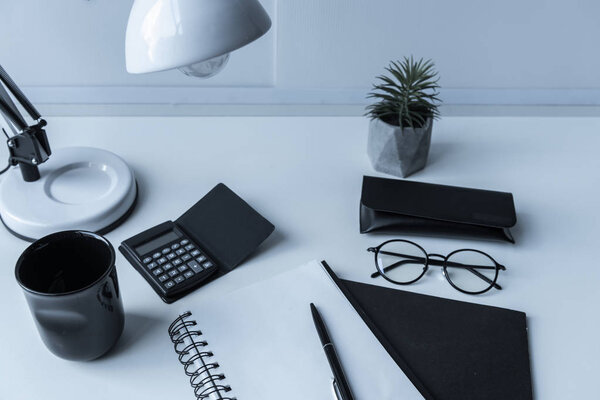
{"x": 336, "y": 390}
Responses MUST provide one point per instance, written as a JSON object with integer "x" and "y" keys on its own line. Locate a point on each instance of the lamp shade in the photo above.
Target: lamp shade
{"x": 166, "y": 34}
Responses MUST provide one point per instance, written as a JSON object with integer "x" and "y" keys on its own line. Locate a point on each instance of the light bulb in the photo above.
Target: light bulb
{"x": 206, "y": 68}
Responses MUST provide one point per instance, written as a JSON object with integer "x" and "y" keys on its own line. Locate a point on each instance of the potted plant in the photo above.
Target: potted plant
{"x": 402, "y": 118}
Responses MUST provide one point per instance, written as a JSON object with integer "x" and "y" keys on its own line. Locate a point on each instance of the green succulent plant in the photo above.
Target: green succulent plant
{"x": 408, "y": 95}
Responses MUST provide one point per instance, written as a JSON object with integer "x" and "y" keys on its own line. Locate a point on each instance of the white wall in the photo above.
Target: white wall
{"x": 319, "y": 52}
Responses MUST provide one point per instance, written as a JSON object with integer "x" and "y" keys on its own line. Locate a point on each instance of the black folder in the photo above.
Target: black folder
{"x": 450, "y": 350}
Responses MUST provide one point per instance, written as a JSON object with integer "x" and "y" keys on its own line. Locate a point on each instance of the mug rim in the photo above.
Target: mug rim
{"x": 72, "y": 232}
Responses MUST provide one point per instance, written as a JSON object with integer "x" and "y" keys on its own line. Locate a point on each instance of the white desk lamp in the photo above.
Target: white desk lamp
{"x": 93, "y": 189}
{"x": 78, "y": 188}
{"x": 195, "y": 36}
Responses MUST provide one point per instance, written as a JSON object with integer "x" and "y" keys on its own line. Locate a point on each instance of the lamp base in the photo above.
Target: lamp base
{"x": 80, "y": 188}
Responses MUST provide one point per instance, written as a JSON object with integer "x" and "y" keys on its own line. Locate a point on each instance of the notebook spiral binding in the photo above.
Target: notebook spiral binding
{"x": 188, "y": 344}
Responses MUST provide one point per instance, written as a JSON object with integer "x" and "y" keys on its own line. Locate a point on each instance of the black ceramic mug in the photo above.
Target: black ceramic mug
{"x": 70, "y": 283}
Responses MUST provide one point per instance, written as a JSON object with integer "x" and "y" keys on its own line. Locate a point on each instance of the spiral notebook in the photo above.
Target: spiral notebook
{"x": 260, "y": 342}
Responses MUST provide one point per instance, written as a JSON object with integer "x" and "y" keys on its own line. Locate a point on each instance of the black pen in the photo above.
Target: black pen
{"x": 340, "y": 384}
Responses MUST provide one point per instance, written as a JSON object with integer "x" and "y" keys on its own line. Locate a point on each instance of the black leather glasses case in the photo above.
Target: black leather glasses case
{"x": 400, "y": 206}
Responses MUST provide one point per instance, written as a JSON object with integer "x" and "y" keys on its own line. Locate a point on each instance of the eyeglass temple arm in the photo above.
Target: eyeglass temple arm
{"x": 437, "y": 263}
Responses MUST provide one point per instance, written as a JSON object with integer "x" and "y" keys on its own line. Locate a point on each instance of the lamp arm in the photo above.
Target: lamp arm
{"x": 19, "y": 95}
{"x": 29, "y": 147}
{"x": 9, "y": 110}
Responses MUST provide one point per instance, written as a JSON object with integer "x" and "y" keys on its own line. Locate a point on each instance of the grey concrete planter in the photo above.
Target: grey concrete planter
{"x": 398, "y": 151}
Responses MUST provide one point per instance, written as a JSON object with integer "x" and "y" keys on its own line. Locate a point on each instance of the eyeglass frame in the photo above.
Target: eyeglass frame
{"x": 443, "y": 263}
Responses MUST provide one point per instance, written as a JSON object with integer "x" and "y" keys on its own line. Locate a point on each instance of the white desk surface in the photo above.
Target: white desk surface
{"x": 304, "y": 175}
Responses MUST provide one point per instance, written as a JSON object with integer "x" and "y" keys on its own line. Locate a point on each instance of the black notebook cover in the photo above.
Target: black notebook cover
{"x": 451, "y": 350}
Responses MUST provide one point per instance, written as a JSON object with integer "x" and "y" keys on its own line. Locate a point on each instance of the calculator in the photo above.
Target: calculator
{"x": 206, "y": 242}
{"x": 169, "y": 260}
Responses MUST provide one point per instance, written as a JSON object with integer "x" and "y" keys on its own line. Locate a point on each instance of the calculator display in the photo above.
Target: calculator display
{"x": 156, "y": 242}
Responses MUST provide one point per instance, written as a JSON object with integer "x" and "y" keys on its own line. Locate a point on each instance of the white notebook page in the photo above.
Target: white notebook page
{"x": 264, "y": 339}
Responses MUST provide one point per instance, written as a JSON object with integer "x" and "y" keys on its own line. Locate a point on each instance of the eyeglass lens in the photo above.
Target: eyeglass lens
{"x": 471, "y": 271}
{"x": 401, "y": 262}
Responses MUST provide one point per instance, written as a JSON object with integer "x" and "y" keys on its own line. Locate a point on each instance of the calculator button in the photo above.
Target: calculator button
{"x": 174, "y": 246}
{"x": 182, "y": 268}
{"x": 147, "y": 260}
{"x": 173, "y": 272}
{"x": 195, "y": 253}
{"x": 163, "y": 277}
{"x": 177, "y": 262}
{"x": 156, "y": 255}
{"x": 186, "y": 257}
{"x": 179, "y": 279}
{"x": 167, "y": 266}
{"x": 207, "y": 264}
{"x": 166, "y": 250}
{"x": 195, "y": 266}
{"x": 189, "y": 247}
{"x": 171, "y": 256}
{"x": 161, "y": 260}
{"x": 169, "y": 285}
{"x": 188, "y": 274}
{"x": 184, "y": 242}
{"x": 180, "y": 252}
{"x": 152, "y": 265}
{"x": 201, "y": 259}
{"x": 157, "y": 271}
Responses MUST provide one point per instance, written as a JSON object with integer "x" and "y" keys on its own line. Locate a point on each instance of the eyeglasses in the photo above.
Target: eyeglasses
{"x": 403, "y": 262}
